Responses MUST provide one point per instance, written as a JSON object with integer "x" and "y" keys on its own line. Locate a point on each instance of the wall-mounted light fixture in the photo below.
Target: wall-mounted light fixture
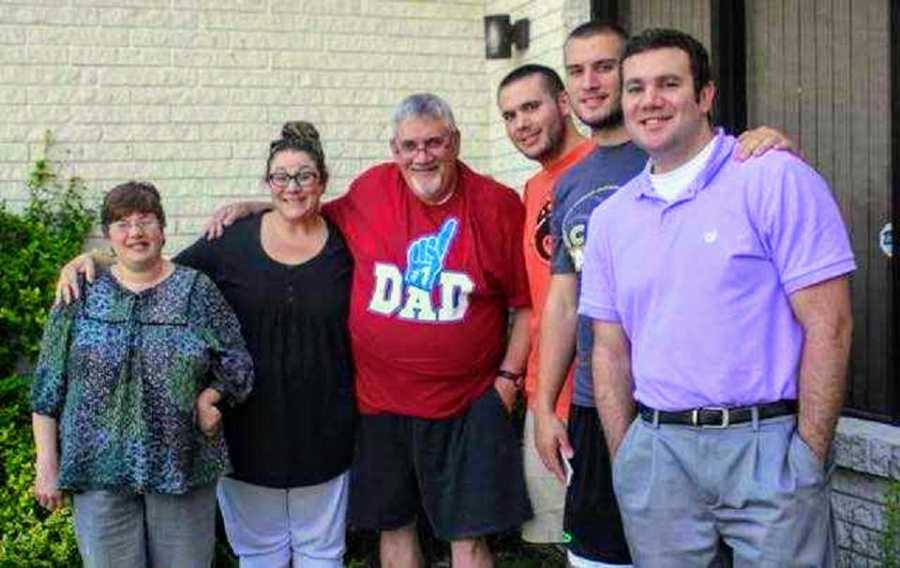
{"x": 500, "y": 35}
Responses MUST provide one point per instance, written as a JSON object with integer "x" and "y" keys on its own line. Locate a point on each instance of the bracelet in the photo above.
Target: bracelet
{"x": 516, "y": 378}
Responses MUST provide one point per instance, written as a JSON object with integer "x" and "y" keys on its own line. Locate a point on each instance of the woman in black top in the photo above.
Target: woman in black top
{"x": 287, "y": 275}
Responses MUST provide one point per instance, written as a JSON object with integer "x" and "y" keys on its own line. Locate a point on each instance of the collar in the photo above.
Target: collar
{"x": 167, "y": 303}
{"x": 723, "y": 148}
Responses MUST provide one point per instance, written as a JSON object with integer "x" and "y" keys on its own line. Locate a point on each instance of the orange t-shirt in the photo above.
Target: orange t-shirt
{"x": 538, "y": 198}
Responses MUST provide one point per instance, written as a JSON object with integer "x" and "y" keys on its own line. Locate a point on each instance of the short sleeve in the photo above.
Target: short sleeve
{"x": 560, "y": 260}
{"x": 598, "y": 293}
{"x": 803, "y": 229}
{"x": 48, "y": 387}
{"x": 232, "y": 366}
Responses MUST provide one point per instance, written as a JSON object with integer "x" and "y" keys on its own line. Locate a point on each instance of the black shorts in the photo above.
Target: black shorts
{"x": 592, "y": 518}
{"x": 465, "y": 471}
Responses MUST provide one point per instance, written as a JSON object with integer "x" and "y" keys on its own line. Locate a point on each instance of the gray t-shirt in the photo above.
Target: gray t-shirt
{"x": 585, "y": 186}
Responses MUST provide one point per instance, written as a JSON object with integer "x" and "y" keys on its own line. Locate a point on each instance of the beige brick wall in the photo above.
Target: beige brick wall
{"x": 187, "y": 93}
{"x": 551, "y": 20}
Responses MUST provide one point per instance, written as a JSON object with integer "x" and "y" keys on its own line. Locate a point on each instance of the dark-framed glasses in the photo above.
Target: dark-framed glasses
{"x": 303, "y": 179}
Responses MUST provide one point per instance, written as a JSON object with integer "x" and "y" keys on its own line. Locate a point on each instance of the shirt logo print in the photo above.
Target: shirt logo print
{"x": 542, "y": 240}
{"x": 426, "y": 255}
{"x": 408, "y": 294}
{"x": 575, "y": 221}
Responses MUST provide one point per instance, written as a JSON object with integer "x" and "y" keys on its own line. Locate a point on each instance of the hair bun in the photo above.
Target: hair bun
{"x": 301, "y": 131}
{"x": 299, "y": 136}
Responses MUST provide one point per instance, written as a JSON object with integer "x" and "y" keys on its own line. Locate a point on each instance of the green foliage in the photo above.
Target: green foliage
{"x": 36, "y": 242}
{"x": 29, "y": 536}
{"x": 890, "y": 538}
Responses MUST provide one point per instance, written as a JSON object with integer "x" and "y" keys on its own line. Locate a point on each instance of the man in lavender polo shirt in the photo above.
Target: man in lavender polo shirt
{"x": 720, "y": 301}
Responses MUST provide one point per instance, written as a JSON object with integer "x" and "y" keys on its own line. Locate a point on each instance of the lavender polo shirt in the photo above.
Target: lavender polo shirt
{"x": 701, "y": 285}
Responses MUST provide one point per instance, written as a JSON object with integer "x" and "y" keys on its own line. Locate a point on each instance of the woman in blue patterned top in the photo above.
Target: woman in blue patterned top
{"x": 125, "y": 398}
{"x": 287, "y": 273}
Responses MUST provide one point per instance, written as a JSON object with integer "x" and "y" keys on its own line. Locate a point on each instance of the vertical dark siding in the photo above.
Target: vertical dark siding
{"x": 820, "y": 70}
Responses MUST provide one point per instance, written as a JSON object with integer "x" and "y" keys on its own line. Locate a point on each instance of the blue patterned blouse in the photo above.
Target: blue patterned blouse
{"x": 120, "y": 371}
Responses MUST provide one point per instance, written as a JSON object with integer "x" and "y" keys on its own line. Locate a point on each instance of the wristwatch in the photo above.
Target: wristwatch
{"x": 516, "y": 378}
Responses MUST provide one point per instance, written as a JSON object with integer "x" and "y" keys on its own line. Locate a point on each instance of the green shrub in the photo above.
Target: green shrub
{"x": 36, "y": 242}
{"x": 890, "y": 538}
{"x": 29, "y": 536}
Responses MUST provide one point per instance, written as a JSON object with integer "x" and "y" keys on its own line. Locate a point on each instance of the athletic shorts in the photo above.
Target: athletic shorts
{"x": 465, "y": 471}
{"x": 592, "y": 517}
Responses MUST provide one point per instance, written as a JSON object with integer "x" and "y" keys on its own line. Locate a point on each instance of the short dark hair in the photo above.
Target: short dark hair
{"x": 299, "y": 136}
{"x": 661, "y": 38}
{"x": 131, "y": 197}
{"x": 593, "y": 28}
{"x": 553, "y": 84}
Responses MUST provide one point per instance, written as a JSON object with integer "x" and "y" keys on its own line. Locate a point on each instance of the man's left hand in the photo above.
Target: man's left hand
{"x": 507, "y": 391}
{"x": 818, "y": 446}
{"x": 552, "y": 442}
{"x": 760, "y": 140}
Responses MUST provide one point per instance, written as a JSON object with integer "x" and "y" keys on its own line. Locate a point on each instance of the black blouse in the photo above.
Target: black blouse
{"x": 296, "y": 428}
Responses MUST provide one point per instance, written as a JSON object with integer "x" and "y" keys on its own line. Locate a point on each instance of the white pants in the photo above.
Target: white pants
{"x": 301, "y": 527}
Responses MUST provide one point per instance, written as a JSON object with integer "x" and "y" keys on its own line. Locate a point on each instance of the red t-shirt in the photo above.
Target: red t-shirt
{"x": 432, "y": 286}
{"x": 538, "y": 197}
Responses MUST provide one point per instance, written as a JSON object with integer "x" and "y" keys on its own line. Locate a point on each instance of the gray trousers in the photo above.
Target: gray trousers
{"x": 757, "y": 485}
{"x": 124, "y": 530}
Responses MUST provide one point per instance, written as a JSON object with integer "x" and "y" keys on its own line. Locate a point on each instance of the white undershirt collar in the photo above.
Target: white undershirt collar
{"x": 673, "y": 183}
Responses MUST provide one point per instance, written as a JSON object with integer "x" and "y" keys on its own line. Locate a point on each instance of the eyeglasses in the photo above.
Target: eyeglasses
{"x": 433, "y": 145}
{"x": 304, "y": 179}
{"x": 144, "y": 225}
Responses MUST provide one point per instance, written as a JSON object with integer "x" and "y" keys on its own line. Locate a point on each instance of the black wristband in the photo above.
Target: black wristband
{"x": 516, "y": 378}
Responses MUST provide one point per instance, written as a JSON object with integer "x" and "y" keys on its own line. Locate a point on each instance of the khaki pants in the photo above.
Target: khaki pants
{"x": 547, "y": 494}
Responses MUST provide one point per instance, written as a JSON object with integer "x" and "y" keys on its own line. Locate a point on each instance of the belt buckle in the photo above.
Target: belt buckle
{"x": 726, "y": 417}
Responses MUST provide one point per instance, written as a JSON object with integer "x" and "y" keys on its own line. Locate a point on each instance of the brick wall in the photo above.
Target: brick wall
{"x": 551, "y": 21}
{"x": 187, "y": 93}
{"x": 868, "y": 458}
